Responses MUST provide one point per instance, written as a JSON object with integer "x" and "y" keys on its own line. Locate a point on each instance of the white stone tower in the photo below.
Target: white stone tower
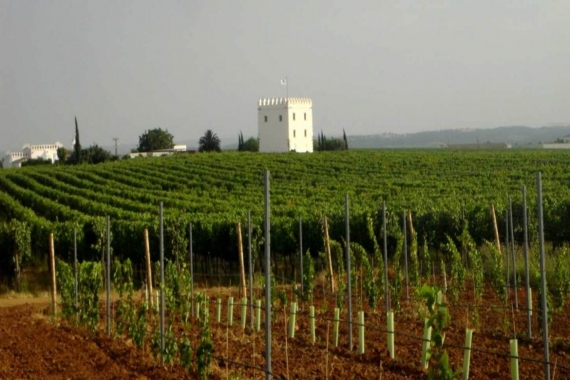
{"x": 285, "y": 124}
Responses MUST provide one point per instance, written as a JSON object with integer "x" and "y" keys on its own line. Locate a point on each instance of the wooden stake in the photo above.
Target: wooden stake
{"x": 241, "y": 265}
{"x": 497, "y": 241}
{"x": 148, "y": 267}
{"x": 52, "y": 270}
{"x": 329, "y": 256}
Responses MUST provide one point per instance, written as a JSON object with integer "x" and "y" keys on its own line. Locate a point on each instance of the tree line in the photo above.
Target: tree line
{"x": 158, "y": 139}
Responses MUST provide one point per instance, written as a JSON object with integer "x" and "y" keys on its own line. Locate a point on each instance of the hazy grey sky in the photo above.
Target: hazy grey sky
{"x": 369, "y": 66}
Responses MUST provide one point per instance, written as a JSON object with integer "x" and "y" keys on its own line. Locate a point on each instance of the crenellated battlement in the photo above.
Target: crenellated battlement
{"x": 268, "y": 102}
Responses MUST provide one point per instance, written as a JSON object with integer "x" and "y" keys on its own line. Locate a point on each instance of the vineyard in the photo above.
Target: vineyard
{"x": 436, "y": 280}
{"x": 214, "y": 192}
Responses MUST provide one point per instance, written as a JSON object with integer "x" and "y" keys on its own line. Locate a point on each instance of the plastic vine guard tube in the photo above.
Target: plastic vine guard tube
{"x": 231, "y": 311}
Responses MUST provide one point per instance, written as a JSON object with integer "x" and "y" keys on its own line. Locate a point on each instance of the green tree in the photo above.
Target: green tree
{"x": 62, "y": 155}
{"x": 251, "y": 145}
{"x": 155, "y": 139}
{"x": 210, "y": 142}
{"x": 76, "y": 157}
{"x": 240, "y": 142}
{"x": 95, "y": 155}
{"x": 324, "y": 143}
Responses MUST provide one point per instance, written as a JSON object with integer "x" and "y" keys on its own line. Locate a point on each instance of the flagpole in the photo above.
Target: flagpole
{"x": 285, "y": 82}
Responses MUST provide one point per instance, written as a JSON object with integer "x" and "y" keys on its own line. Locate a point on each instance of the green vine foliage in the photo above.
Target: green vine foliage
{"x": 378, "y": 257}
{"x": 137, "y": 331}
{"x": 371, "y": 288}
{"x": 185, "y": 349}
{"x": 125, "y": 312}
{"x": 66, "y": 285}
{"x": 155, "y": 341}
{"x": 90, "y": 284}
{"x": 559, "y": 283}
{"x": 355, "y": 265}
{"x": 206, "y": 346}
{"x": 341, "y": 283}
{"x": 308, "y": 278}
{"x": 496, "y": 270}
{"x": 540, "y": 308}
{"x": 22, "y": 247}
{"x": 172, "y": 288}
{"x": 413, "y": 269}
{"x": 176, "y": 231}
{"x": 170, "y": 345}
{"x": 99, "y": 226}
{"x": 397, "y": 279}
{"x": 439, "y": 318}
{"x": 426, "y": 260}
{"x": 357, "y": 255}
{"x": 185, "y": 300}
{"x": 457, "y": 268}
{"x": 476, "y": 262}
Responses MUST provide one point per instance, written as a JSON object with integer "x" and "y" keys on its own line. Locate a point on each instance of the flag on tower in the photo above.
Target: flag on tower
{"x": 284, "y": 82}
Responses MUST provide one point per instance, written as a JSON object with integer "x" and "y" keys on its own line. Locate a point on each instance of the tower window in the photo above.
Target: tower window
{"x": 294, "y": 133}
{"x": 265, "y": 119}
{"x": 293, "y": 116}
{"x": 305, "y": 115}
{"x": 305, "y": 133}
{"x": 280, "y": 118}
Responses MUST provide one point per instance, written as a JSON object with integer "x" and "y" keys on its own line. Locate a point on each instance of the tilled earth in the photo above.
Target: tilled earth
{"x": 33, "y": 346}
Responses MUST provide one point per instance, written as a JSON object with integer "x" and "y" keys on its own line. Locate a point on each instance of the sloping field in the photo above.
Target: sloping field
{"x": 215, "y": 191}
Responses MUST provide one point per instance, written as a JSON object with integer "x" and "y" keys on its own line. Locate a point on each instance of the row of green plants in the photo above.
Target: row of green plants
{"x": 133, "y": 318}
{"x": 137, "y": 321}
{"x": 214, "y": 192}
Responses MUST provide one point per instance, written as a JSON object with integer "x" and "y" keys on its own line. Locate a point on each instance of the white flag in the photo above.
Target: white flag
{"x": 284, "y": 82}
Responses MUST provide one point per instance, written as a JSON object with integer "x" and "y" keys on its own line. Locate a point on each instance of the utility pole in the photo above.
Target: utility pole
{"x": 116, "y": 140}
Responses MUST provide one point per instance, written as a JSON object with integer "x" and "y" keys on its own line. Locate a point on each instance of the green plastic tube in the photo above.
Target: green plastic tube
{"x": 312, "y": 323}
{"x": 243, "y": 311}
{"x": 426, "y": 344}
{"x": 293, "y": 314}
{"x": 530, "y": 301}
{"x": 467, "y": 353}
{"x": 514, "y": 359}
{"x": 230, "y": 311}
{"x": 390, "y": 320}
{"x": 361, "y": 332}
{"x": 218, "y": 310}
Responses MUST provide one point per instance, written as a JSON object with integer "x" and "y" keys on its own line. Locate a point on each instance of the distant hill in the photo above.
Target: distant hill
{"x": 517, "y": 136}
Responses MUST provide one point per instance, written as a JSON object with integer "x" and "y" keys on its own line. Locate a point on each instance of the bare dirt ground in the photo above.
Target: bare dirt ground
{"x": 33, "y": 346}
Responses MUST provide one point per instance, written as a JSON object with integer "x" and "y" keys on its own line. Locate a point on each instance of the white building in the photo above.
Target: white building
{"x": 160, "y": 153}
{"x": 30, "y": 152}
{"x": 285, "y": 124}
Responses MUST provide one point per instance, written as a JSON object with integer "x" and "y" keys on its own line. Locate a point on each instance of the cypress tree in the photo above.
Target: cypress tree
{"x": 77, "y": 146}
{"x": 240, "y": 142}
